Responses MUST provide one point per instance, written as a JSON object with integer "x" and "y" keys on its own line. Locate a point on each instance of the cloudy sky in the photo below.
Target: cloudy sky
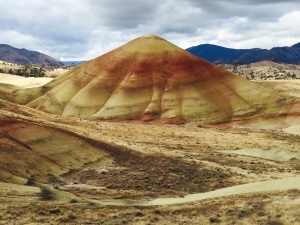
{"x": 85, "y": 29}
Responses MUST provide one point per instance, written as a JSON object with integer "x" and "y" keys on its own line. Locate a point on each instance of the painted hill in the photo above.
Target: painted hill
{"x": 150, "y": 79}
{"x": 23, "y": 56}
{"x": 219, "y": 54}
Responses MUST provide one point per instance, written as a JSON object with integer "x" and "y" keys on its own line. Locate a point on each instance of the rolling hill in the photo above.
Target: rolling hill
{"x": 23, "y": 56}
{"x": 219, "y": 54}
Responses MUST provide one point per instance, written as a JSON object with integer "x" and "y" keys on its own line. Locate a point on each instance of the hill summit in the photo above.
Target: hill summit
{"x": 150, "y": 79}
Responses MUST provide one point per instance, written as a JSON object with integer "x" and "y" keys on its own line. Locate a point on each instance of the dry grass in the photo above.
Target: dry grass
{"x": 268, "y": 208}
{"x": 265, "y": 70}
{"x": 133, "y": 149}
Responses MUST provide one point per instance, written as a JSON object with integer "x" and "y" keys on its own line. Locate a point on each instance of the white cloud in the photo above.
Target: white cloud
{"x": 17, "y": 39}
{"x": 84, "y": 29}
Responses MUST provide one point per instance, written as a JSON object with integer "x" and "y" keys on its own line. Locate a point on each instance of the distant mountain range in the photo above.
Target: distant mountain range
{"x": 23, "y": 56}
{"x": 212, "y": 53}
{"x": 219, "y": 54}
{"x": 67, "y": 63}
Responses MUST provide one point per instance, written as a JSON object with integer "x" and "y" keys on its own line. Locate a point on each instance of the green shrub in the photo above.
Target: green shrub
{"x": 214, "y": 219}
{"x": 67, "y": 217}
{"x": 46, "y": 194}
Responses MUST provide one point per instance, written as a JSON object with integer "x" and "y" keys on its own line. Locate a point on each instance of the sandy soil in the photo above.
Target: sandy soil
{"x": 295, "y": 129}
{"x": 27, "y": 82}
{"x": 272, "y": 154}
{"x": 56, "y": 72}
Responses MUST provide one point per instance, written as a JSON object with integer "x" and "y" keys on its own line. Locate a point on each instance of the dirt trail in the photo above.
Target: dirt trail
{"x": 272, "y": 154}
{"x": 264, "y": 186}
{"x": 270, "y": 185}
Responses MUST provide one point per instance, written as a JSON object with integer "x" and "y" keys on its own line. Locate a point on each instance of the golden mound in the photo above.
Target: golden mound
{"x": 32, "y": 149}
{"x": 29, "y": 150}
{"x": 151, "y": 79}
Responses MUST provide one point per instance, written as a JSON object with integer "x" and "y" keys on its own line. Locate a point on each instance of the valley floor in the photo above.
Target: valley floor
{"x": 152, "y": 161}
